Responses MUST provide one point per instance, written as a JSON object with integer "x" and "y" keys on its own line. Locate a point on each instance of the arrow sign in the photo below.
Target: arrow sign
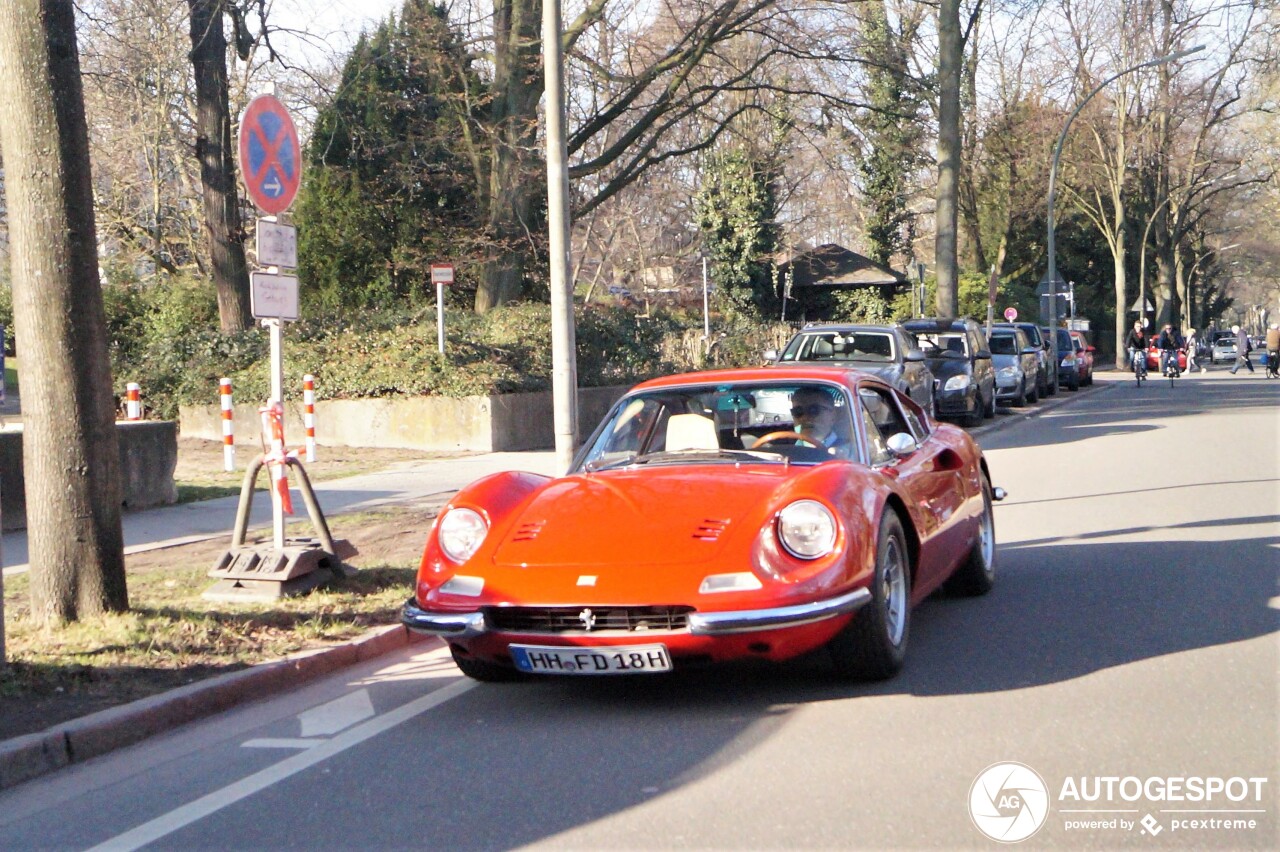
{"x": 270, "y": 158}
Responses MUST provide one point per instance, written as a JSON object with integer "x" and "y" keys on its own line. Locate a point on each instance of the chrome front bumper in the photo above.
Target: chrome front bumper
{"x": 464, "y": 625}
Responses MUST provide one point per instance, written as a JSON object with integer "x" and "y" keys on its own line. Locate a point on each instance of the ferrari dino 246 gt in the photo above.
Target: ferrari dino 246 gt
{"x": 759, "y": 513}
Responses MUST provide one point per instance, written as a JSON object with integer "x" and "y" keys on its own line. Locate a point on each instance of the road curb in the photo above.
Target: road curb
{"x": 77, "y": 740}
{"x": 1035, "y": 409}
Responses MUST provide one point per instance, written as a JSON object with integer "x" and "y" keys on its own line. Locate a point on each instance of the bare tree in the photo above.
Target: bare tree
{"x": 69, "y": 444}
{"x": 217, "y": 164}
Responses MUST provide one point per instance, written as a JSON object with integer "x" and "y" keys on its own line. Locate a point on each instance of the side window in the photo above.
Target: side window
{"x": 881, "y": 418}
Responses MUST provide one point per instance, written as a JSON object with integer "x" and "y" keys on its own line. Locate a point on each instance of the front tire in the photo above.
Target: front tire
{"x": 977, "y": 574}
{"x": 477, "y": 669}
{"x": 873, "y": 645}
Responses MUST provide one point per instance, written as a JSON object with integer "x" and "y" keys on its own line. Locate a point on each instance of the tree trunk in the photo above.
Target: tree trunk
{"x": 69, "y": 442}
{"x": 950, "y": 59}
{"x": 517, "y": 88}
{"x": 217, "y": 169}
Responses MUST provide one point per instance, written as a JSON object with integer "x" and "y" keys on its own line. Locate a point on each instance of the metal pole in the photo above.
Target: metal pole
{"x": 564, "y": 369}
{"x": 440, "y": 316}
{"x": 1052, "y": 274}
{"x": 276, "y": 327}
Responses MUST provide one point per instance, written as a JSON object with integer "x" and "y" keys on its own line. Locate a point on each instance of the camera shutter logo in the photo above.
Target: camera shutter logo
{"x": 1008, "y": 802}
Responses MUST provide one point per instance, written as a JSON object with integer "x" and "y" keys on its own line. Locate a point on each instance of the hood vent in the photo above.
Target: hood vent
{"x": 710, "y": 529}
{"x": 528, "y": 531}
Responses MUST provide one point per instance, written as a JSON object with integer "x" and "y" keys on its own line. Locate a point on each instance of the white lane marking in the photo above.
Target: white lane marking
{"x": 282, "y": 742}
{"x": 161, "y": 826}
{"x": 337, "y": 715}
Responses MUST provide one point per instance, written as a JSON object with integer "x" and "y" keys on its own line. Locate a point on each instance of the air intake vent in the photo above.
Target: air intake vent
{"x": 635, "y": 619}
{"x": 529, "y": 531}
{"x": 710, "y": 529}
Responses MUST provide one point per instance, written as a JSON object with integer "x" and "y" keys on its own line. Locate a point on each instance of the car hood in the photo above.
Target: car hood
{"x": 648, "y": 516}
{"x": 945, "y": 368}
{"x": 890, "y": 373}
{"x": 1002, "y": 361}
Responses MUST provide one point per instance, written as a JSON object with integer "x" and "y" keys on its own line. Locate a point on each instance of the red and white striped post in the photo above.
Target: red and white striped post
{"x": 228, "y": 426}
{"x": 133, "y": 401}
{"x": 309, "y": 414}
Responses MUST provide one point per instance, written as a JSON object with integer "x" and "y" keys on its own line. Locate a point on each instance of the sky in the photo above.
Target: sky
{"x": 338, "y": 22}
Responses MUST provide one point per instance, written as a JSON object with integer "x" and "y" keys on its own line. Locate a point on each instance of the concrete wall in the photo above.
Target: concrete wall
{"x": 148, "y": 456}
{"x": 504, "y": 423}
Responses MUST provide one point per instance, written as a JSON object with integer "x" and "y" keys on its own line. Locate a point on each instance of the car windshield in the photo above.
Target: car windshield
{"x": 864, "y": 346}
{"x": 1004, "y": 344}
{"x": 769, "y": 422}
{"x": 937, "y": 345}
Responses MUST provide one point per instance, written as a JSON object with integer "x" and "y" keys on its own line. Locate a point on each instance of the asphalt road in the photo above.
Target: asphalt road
{"x": 1131, "y": 635}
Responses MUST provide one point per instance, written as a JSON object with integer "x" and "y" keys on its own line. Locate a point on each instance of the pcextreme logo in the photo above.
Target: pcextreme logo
{"x": 1008, "y": 802}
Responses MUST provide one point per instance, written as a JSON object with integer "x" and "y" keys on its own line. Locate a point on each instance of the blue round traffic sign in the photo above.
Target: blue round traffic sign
{"x": 270, "y": 158}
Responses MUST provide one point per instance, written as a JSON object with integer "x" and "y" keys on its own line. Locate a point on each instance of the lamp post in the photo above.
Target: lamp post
{"x": 1052, "y": 275}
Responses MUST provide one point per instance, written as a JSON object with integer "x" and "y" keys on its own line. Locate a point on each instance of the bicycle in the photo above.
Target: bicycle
{"x": 1170, "y": 359}
{"x": 1139, "y": 359}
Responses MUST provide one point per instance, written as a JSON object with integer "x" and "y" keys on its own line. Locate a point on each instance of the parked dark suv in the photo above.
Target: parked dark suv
{"x": 887, "y": 351}
{"x": 956, "y": 351}
{"x": 1047, "y": 374}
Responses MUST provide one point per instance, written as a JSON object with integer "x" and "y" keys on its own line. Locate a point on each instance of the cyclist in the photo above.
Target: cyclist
{"x": 1136, "y": 342}
{"x": 1170, "y": 342}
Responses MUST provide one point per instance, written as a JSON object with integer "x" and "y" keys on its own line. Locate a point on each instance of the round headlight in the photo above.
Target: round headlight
{"x": 807, "y": 529}
{"x": 956, "y": 383}
{"x": 461, "y": 532}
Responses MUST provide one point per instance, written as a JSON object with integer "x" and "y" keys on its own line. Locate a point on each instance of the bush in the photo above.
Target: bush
{"x": 167, "y": 339}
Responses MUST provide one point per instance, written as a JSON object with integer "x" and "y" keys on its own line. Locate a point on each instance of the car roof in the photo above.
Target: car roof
{"x": 938, "y": 324}
{"x": 844, "y": 326}
{"x": 770, "y": 375}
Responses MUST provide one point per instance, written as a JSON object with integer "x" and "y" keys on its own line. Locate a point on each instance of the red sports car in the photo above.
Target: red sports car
{"x": 1153, "y": 359}
{"x": 759, "y": 513}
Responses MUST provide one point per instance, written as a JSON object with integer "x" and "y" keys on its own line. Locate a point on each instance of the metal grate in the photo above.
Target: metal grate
{"x": 578, "y": 619}
{"x": 528, "y": 531}
{"x": 710, "y": 529}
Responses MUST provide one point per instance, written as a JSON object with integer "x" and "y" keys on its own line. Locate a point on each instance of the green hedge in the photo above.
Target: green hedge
{"x": 167, "y": 339}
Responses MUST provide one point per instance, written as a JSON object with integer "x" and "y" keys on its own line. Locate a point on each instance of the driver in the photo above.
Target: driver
{"x": 814, "y": 412}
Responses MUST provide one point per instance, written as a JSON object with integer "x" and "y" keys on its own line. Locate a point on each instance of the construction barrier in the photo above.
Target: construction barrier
{"x": 309, "y": 414}
{"x": 228, "y": 426}
{"x": 133, "y": 401}
{"x": 273, "y": 426}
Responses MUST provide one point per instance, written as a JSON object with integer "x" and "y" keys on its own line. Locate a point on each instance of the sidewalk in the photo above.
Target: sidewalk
{"x": 167, "y": 526}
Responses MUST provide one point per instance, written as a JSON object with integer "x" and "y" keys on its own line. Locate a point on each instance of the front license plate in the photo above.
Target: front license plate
{"x": 623, "y": 659}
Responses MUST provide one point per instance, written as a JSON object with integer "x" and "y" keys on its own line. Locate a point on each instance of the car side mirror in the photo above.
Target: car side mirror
{"x": 1031, "y": 350}
{"x": 913, "y": 355}
{"x": 901, "y": 444}
{"x": 1090, "y": 349}
{"x": 771, "y": 354}
{"x": 983, "y": 355}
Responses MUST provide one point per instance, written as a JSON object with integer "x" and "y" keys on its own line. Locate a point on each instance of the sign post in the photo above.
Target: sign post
{"x": 441, "y": 274}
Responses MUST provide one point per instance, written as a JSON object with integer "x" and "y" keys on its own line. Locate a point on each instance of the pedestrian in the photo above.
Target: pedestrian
{"x": 1273, "y": 351}
{"x": 1243, "y": 348}
{"x": 1192, "y": 343}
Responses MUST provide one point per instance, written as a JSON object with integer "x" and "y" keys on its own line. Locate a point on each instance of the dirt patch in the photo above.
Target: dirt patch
{"x": 52, "y": 678}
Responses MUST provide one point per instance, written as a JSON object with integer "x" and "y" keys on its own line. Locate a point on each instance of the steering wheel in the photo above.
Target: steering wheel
{"x": 784, "y": 435}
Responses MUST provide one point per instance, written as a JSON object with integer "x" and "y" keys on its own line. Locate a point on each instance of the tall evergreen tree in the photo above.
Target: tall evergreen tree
{"x": 392, "y": 184}
{"x": 892, "y": 131}
{"x": 737, "y": 211}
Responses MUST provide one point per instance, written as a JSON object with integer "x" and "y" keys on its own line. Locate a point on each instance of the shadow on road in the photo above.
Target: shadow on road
{"x": 1126, "y": 409}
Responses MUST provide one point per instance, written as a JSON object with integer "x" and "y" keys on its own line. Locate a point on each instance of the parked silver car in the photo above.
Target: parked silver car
{"x": 1224, "y": 349}
{"x": 1017, "y": 363}
{"x": 886, "y": 351}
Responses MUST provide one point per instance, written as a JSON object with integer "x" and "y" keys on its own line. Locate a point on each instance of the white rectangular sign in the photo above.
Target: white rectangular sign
{"x": 441, "y": 273}
{"x": 277, "y": 244}
{"x": 273, "y": 296}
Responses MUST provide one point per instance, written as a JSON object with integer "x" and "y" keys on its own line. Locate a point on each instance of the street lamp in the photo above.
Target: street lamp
{"x": 1052, "y": 275}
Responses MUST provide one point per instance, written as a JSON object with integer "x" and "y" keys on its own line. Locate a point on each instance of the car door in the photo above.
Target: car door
{"x": 932, "y": 479}
{"x": 916, "y": 374}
